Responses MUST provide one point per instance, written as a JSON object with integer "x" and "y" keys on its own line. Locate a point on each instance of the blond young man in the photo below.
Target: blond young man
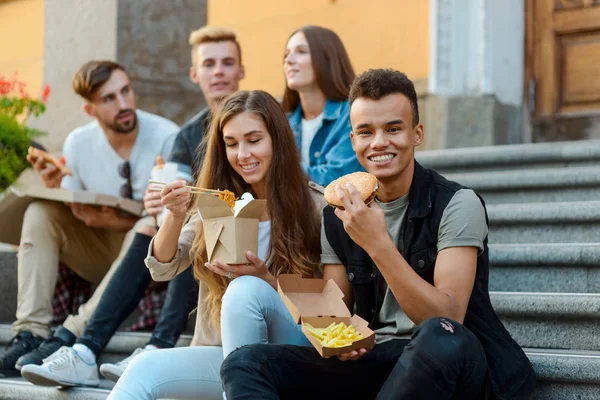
{"x": 217, "y": 69}
{"x": 113, "y": 155}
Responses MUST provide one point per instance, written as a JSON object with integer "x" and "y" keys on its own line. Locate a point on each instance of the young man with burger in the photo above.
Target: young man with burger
{"x": 413, "y": 262}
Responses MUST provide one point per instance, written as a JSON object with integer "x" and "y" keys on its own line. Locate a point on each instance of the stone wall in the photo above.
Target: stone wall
{"x": 152, "y": 43}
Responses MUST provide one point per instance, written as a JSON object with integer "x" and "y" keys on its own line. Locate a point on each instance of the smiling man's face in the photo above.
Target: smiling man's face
{"x": 383, "y": 135}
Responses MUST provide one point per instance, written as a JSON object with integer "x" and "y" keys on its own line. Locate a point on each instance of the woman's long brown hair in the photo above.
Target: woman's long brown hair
{"x": 333, "y": 70}
{"x": 295, "y": 226}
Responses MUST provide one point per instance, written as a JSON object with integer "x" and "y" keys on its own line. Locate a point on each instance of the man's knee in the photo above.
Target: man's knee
{"x": 40, "y": 214}
{"x": 246, "y": 358}
{"x": 443, "y": 339}
{"x": 245, "y": 289}
{"x": 39, "y": 222}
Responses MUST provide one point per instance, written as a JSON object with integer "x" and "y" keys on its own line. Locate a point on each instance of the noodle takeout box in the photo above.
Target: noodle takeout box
{"x": 228, "y": 233}
{"x": 320, "y": 302}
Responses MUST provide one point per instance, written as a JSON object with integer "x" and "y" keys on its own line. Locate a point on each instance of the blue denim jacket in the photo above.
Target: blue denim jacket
{"x": 331, "y": 154}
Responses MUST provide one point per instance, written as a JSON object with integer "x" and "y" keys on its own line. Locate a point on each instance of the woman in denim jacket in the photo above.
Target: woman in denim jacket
{"x": 318, "y": 75}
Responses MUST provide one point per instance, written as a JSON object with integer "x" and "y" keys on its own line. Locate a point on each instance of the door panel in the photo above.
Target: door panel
{"x": 563, "y": 68}
{"x": 579, "y": 75}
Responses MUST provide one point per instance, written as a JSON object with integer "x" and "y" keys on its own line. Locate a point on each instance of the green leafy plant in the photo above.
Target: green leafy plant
{"x": 16, "y": 106}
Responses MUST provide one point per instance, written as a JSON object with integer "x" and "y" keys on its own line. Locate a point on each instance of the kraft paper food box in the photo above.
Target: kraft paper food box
{"x": 320, "y": 302}
{"x": 230, "y": 234}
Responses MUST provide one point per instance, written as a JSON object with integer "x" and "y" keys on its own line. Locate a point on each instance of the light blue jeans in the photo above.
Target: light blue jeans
{"x": 252, "y": 312}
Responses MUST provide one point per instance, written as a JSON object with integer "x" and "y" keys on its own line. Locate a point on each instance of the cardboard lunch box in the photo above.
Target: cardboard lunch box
{"x": 320, "y": 302}
{"x": 229, "y": 234}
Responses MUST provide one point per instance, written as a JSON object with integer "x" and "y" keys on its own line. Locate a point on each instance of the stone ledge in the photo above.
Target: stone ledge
{"x": 545, "y": 254}
{"x": 8, "y": 285}
{"x": 547, "y": 305}
{"x": 565, "y": 365}
{"x": 532, "y": 213}
{"x": 549, "y": 279}
{"x": 543, "y": 178}
{"x": 120, "y": 343}
{"x": 19, "y": 389}
{"x": 559, "y": 154}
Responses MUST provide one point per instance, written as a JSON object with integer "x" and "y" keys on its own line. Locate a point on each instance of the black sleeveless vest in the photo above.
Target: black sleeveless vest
{"x": 509, "y": 369}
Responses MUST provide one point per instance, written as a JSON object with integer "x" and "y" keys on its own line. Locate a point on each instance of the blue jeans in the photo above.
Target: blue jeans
{"x": 436, "y": 363}
{"x": 124, "y": 291}
{"x": 252, "y": 312}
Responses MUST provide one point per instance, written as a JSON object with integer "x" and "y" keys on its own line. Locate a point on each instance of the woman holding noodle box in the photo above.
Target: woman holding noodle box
{"x": 250, "y": 148}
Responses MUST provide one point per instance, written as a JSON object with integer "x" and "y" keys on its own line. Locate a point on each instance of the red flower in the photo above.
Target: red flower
{"x": 45, "y": 93}
{"x": 5, "y": 86}
{"x": 22, "y": 92}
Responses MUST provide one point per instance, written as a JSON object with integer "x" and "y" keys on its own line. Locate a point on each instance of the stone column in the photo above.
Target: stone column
{"x": 152, "y": 43}
{"x": 476, "y": 72}
{"x": 73, "y": 34}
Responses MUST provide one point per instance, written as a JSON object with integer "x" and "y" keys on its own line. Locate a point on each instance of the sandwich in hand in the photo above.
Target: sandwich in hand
{"x": 365, "y": 184}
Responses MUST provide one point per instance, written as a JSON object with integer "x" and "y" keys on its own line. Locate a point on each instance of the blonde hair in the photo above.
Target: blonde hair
{"x": 210, "y": 34}
{"x": 295, "y": 225}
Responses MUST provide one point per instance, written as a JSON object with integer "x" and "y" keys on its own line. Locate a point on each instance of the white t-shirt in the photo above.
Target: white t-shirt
{"x": 309, "y": 130}
{"x": 264, "y": 239}
{"x": 95, "y": 163}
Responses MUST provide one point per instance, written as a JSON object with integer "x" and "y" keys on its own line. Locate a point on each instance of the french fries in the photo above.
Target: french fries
{"x": 335, "y": 335}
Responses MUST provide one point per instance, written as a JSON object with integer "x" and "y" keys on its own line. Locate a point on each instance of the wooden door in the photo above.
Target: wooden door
{"x": 563, "y": 68}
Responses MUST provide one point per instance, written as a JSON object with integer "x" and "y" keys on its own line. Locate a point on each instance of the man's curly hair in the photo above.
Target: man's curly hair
{"x": 377, "y": 83}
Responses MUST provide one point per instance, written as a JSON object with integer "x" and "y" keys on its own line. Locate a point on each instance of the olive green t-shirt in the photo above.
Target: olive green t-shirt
{"x": 462, "y": 225}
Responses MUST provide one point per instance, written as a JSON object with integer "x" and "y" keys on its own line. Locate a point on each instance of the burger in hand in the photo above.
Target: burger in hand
{"x": 365, "y": 184}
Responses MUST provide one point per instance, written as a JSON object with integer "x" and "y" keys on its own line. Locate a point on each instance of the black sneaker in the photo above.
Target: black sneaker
{"x": 20, "y": 345}
{"x": 61, "y": 337}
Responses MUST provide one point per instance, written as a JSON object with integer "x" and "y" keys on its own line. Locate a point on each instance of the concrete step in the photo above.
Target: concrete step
{"x": 561, "y": 375}
{"x": 565, "y": 374}
{"x": 8, "y": 285}
{"x": 545, "y": 267}
{"x": 121, "y": 345}
{"x": 568, "y": 321}
{"x": 520, "y": 156}
{"x": 561, "y": 222}
{"x": 581, "y": 183}
{"x": 17, "y": 388}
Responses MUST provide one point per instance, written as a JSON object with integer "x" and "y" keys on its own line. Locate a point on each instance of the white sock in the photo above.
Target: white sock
{"x": 85, "y": 353}
{"x": 150, "y": 347}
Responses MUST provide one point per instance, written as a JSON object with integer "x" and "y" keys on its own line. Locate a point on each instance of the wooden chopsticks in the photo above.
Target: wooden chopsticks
{"x": 194, "y": 189}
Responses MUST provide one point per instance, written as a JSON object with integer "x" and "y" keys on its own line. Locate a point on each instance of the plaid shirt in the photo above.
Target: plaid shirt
{"x": 72, "y": 290}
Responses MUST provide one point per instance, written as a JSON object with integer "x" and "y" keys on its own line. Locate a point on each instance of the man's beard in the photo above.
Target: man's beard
{"x": 127, "y": 127}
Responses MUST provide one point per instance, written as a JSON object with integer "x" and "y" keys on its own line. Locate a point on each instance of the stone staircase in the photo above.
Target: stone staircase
{"x": 544, "y": 209}
{"x": 543, "y": 203}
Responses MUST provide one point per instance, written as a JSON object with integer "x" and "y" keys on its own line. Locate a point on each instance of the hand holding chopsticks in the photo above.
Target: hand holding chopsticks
{"x": 194, "y": 189}
{"x": 225, "y": 195}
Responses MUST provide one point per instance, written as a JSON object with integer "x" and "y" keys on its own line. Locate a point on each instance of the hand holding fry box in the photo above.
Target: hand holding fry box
{"x": 326, "y": 321}
{"x": 228, "y": 233}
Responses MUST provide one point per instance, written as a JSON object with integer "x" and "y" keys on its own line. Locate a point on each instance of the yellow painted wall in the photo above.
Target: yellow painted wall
{"x": 22, "y": 41}
{"x": 376, "y": 33}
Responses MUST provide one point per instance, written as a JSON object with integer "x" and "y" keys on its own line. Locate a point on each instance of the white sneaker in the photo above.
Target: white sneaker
{"x": 63, "y": 368}
{"x": 114, "y": 371}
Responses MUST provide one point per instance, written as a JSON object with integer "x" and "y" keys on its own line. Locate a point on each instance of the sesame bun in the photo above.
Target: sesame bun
{"x": 365, "y": 183}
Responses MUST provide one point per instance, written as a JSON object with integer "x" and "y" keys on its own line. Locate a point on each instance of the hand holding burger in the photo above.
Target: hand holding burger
{"x": 352, "y": 195}
{"x": 365, "y": 184}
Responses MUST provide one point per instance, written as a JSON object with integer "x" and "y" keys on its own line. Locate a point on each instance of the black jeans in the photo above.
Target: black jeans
{"x": 443, "y": 360}
{"x": 124, "y": 291}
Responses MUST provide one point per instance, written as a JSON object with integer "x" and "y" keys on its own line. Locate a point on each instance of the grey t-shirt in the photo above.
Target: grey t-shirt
{"x": 462, "y": 225}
